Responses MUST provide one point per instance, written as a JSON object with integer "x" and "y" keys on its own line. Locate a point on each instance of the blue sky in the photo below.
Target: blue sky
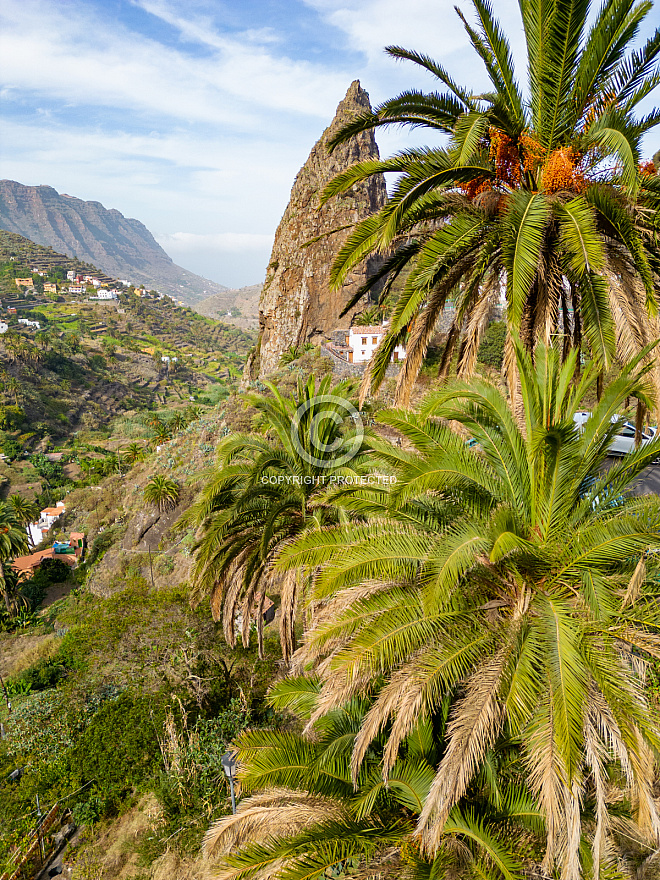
{"x": 194, "y": 116}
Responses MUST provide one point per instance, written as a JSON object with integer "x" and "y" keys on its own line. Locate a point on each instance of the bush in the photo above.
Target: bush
{"x": 491, "y": 350}
{"x": 118, "y": 751}
{"x": 11, "y": 448}
{"x": 51, "y": 571}
{"x": 11, "y": 417}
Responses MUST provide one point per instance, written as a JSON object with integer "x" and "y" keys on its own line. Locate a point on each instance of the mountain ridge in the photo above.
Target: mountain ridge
{"x": 121, "y": 246}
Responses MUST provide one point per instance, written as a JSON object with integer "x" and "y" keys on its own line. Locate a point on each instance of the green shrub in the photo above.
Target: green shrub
{"x": 11, "y": 448}
{"x": 491, "y": 350}
{"x": 118, "y": 751}
{"x": 11, "y": 417}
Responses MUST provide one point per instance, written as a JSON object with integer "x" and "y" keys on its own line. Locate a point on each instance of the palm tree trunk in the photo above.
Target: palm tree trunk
{"x": 640, "y": 412}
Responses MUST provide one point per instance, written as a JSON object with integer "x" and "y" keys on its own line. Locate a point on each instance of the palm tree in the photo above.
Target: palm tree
{"x": 162, "y": 432}
{"x": 302, "y": 815}
{"x": 13, "y": 542}
{"x": 539, "y": 194}
{"x": 132, "y": 453}
{"x": 177, "y": 423}
{"x": 162, "y": 492}
{"x": 13, "y": 387}
{"x": 24, "y": 511}
{"x": 504, "y": 582}
{"x": 266, "y": 489}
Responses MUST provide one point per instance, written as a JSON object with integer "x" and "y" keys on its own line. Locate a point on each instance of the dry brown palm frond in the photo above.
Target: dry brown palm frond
{"x": 546, "y": 308}
{"x": 635, "y": 583}
{"x": 289, "y": 599}
{"x": 644, "y": 766}
{"x": 510, "y": 368}
{"x": 422, "y": 330}
{"x": 475, "y": 722}
{"x": 277, "y": 811}
{"x": 450, "y": 346}
{"x": 546, "y": 777}
{"x": 569, "y": 852}
{"x": 339, "y": 687}
{"x": 595, "y": 757}
{"x": 231, "y": 585}
{"x": 610, "y": 732}
{"x": 476, "y": 323}
{"x": 638, "y": 638}
{"x": 328, "y": 613}
{"x": 403, "y": 696}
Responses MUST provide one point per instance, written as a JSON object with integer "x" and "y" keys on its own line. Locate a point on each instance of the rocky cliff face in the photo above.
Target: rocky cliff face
{"x": 118, "y": 245}
{"x": 297, "y": 305}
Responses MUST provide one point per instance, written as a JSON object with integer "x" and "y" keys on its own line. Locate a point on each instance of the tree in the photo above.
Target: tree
{"x": 132, "y": 453}
{"x": 301, "y": 814}
{"x": 266, "y": 489}
{"x": 24, "y": 511}
{"x": 512, "y": 585}
{"x": 13, "y": 542}
{"x": 539, "y": 195}
{"x": 109, "y": 346}
{"x": 162, "y": 492}
{"x": 177, "y": 423}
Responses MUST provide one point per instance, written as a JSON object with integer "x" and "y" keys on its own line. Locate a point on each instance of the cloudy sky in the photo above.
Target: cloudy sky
{"x": 195, "y": 115}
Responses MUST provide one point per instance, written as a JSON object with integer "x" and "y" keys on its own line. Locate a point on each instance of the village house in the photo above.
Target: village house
{"x": 106, "y": 295}
{"x": 70, "y": 275}
{"x": 35, "y": 324}
{"x": 48, "y": 516}
{"x": 49, "y": 287}
{"x": 362, "y": 342}
{"x": 24, "y": 282}
{"x": 70, "y": 552}
{"x": 76, "y": 288}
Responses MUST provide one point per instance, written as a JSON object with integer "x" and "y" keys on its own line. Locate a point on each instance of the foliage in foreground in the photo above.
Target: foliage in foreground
{"x": 513, "y": 584}
{"x": 539, "y": 195}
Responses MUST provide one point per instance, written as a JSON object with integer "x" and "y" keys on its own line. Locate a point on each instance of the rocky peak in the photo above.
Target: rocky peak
{"x": 297, "y": 305}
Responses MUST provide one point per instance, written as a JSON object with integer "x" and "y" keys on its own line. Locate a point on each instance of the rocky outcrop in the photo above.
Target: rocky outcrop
{"x": 297, "y": 304}
{"x": 118, "y": 245}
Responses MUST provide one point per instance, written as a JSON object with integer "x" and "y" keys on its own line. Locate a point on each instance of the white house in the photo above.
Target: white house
{"x": 166, "y": 359}
{"x": 28, "y": 323}
{"x": 49, "y": 515}
{"x": 76, "y": 288}
{"x": 362, "y": 342}
{"x": 70, "y": 275}
{"x": 107, "y": 294}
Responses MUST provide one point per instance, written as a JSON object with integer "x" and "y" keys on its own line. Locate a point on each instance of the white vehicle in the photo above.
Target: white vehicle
{"x": 624, "y": 442}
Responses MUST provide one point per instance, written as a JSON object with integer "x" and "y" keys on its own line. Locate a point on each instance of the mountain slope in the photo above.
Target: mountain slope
{"x": 120, "y": 246}
{"x": 243, "y": 303}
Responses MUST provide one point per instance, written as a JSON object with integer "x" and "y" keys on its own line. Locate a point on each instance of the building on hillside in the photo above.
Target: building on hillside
{"x": 70, "y": 275}
{"x": 76, "y": 288}
{"x": 362, "y": 342}
{"x": 49, "y": 287}
{"x": 34, "y": 324}
{"x": 47, "y": 518}
{"x": 166, "y": 359}
{"x": 106, "y": 295}
{"x": 70, "y": 552}
{"x": 24, "y": 282}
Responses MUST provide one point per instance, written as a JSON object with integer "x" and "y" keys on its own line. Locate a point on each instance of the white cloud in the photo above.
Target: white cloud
{"x": 129, "y": 71}
{"x": 224, "y": 242}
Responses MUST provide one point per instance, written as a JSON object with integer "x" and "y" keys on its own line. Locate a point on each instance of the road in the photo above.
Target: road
{"x": 649, "y": 482}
